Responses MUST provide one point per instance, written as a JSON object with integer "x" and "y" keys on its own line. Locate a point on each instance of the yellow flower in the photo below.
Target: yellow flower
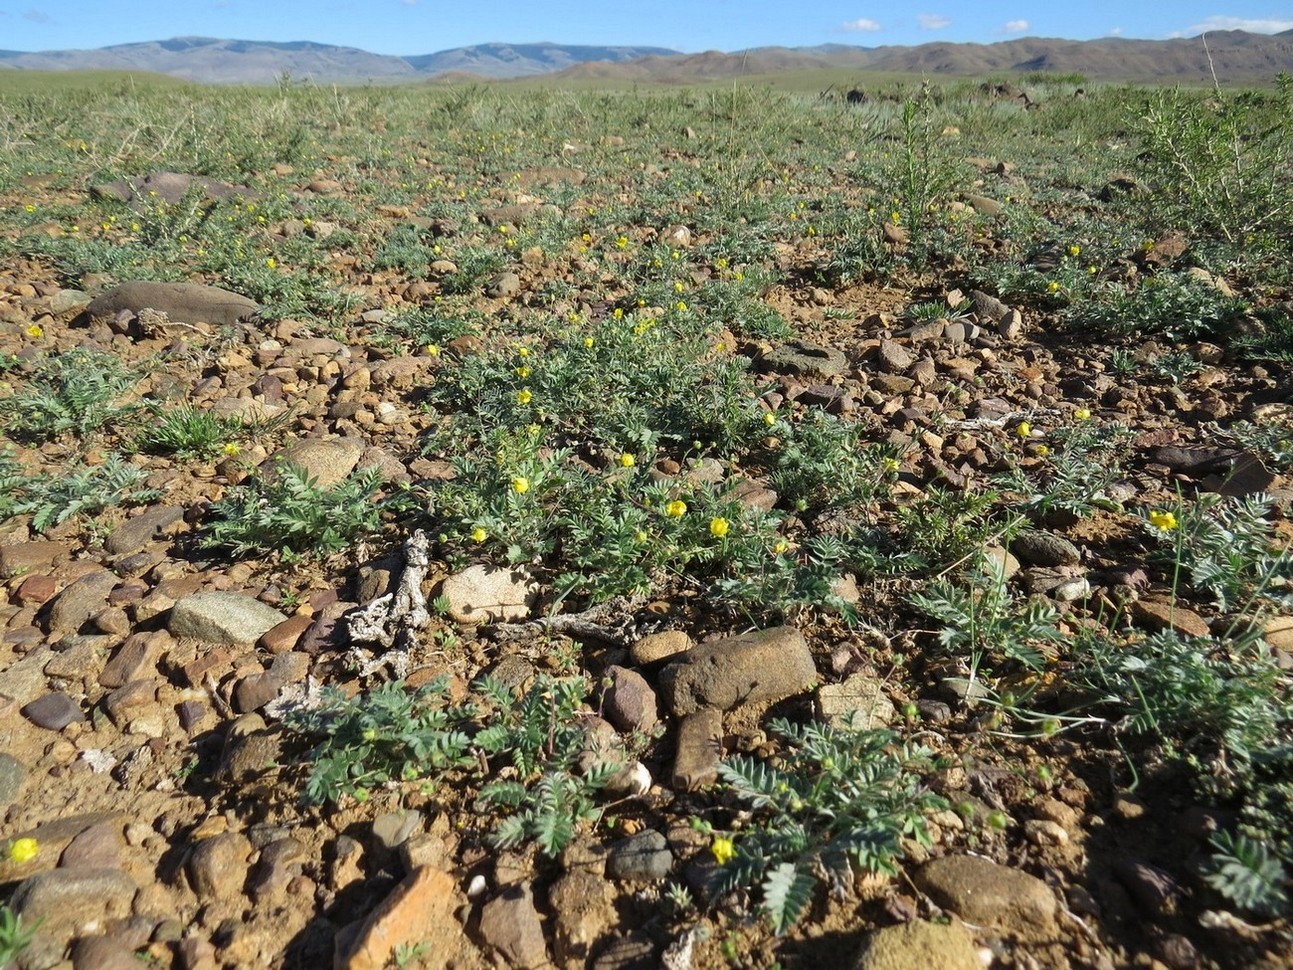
{"x": 23, "y": 850}
{"x": 1052, "y": 287}
{"x": 718, "y": 526}
{"x": 30, "y": 208}
{"x": 523, "y": 371}
{"x": 35, "y": 331}
{"x": 523, "y": 351}
{"x": 1023, "y": 429}
{"x": 272, "y": 263}
{"x": 1162, "y": 520}
{"x": 769, "y": 418}
{"x": 622, "y": 242}
{"x": 1042, "y": 451}
{"x": 723, "y": 849}
{"x": 891, "y": 465}
{"x": 520, "y": 484}
{"x": 681, "y": 306}
{"x": 589, "y": 341}
{"x": 618, "y": 315}
{"x": 641, "y": 535}
{"x": 627, "y": 460}
{"x": 677, "y": 286}
{"x": 780, "y": 546}
{"x": 230, "y": 448}
{"x": 479, "y": 535}
{"x": 677, "y": 508}
{"x": 1075, "y": 250}
{"x": 1082, "y": 414}
{"x": 432, "y": 350}
{"x": 523, "y": 396}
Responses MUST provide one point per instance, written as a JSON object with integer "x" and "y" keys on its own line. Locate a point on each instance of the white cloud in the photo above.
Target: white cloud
{"x": 1268, "y": 25}
{"x": 1015, "y": 27}
{"x": 861, "y": 25}
{"x": 1114, "y": 32}
{"x": 932, "y": 21}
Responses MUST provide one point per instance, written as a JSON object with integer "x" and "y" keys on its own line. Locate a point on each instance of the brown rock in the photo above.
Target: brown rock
{"x": 36, "y": 589}
{"x": 217, "y": 867}
{"x": 25, "y": 557}
{"x": 763, "y": 666}
{"x": 135, "y": 658}
{"x": 630, "y": 703}
{"x": 284, "y": 636}
{"x": 86, "y": 597}
{"x": 700, "y": 746}
{"x": 419, "y": 910}
{"x": 181, "y": 302}
{"x": 986, "y": 894}
{"x": 510, "y": 924}
{"x": 919, "y": 945}
{"x": 1163, "y": 614}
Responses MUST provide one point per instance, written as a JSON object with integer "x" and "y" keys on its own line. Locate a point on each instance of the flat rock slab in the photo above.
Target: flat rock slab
{"x": 133, "y": 534}
{"x": 804, "y": 359}
{"x": 66, "y": 900}
{"x": 222, "y": 618}
{"x": 419, "y": 910}
{"x": 326, "y": 461}
{"x": 859, "y": 702}
{"x": 170, "y": 187}
{"x": 986, "y": 894}
{"x": 700, "y": 746}
{"x": 919, "y": 946}
{"x": 13, "y": 773}
{"x": 181, "y": 302}
{"x": 1039, "y": 548}
{"x": 760, "y": 667}
{"x": 490, "y": 594}
{"x": 53, "y": 712}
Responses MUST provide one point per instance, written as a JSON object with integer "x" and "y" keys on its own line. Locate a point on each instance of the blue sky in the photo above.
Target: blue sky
{"x": 426, "y": 26}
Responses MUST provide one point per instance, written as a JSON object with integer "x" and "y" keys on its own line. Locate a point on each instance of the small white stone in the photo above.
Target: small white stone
{"x": 476, "y": 886}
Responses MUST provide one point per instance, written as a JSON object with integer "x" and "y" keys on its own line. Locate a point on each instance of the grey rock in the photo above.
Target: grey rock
{"x": 1044, "y": 549}
{"x": 510, "y": 924}
{"x": 919, "y": 945}
{"x": 256, "y": 690}
{"x": 984, "y": 206}
{"x": 987, "y": 307}
{"x": 25, "y": 680}
{"x": 97, "y": 847}
{"x": 859, "y": 701}
{"x": 986, "y": 894}
{"x": 758, "y": 667}
{"x": 181, "y": 302}
{"x": 217, "y": 866}
{"x": 133, "y": 534}
{"x": 66, "y": 300}
{"x": 170, "y": 187}
{"x": 630, "y": 703}
{"x": 103, "y": 953}
{"x": 894, "y": 357}
{"x": 504, "y": 285}
{"x": 393, "y": 829}
{"x": 805, "y": 359}
{"x": 13, "y": 773}
{"x": 222, "y": 618}
{"x": 655, "y": 647}
{"x": 67, "y": 900}
{"x": 326, "y": 460}
{"x": 489, "y": 594}
{"x": 699, "y": 748}
{"x": 72, "y": 609}
{"x": 644, "y": 857}
{"x": 53, "y": 712}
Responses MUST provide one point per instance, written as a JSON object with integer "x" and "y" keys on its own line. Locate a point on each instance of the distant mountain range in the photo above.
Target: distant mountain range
{"x": 1237, "y": 57}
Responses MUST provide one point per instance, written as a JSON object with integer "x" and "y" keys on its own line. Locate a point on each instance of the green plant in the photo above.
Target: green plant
{"x": 923, "y": 171}
{"x": 189, "y": 432}
{"x": 1244, "y": 871}
{"x": 981, "y": 620}
{"x": 823, "y": 465}
{"x": 1219, "y": 163}
{"x": 288, "y": 512}
{"x": 837, "y": 803}
{"x": 77, "y": 393}
{"x": 1172, "y": 306}
{"x": 53, "y": 499}
{"x": 1273, "y": 442}
{"x": 1082, "y": 462}
{"x": 14, "y": 937}
{"x": 386, "y": 734}
{"x": 937, "y": 529}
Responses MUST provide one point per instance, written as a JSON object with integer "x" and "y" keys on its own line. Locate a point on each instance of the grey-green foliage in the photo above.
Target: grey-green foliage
{"x": 77, "y": 393}
{"x": 290, "y": 513}
{"x": 980, "y": 619}
{"x": 823, "y": 464}
{"x": 189, "y": 432}
{"x": 53, "y": 499}
{"x": 837, "y": 803}
{"x": 1226, "y": 546}
{"x": 1220, "y": 163}
{"x": 15, "y": 938}
{"x": 1225, "y": 710}
{"x": 1084, "y": 461}
{"x": 391, "y": 735}
{"x": 1174, "y": 306}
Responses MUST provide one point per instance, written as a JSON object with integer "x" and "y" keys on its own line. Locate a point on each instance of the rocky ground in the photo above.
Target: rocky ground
{"x": 145, "y": 678}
